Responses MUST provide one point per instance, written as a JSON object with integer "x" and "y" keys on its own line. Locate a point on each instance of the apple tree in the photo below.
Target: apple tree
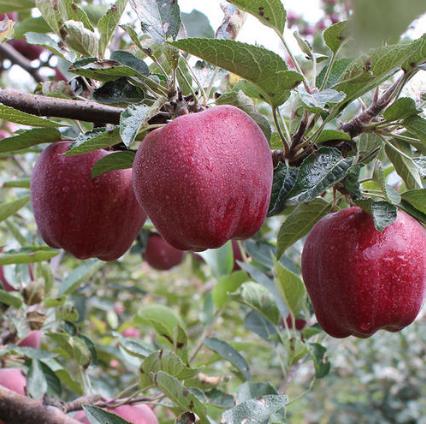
{"x": 186, "y": 218}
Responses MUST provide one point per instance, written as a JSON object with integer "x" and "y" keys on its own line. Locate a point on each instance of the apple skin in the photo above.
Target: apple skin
{"x": 299, "y": 323}
{"x": 134, "y": 414}
{"x": 361, "y": 280}
{"x": 205, "y": 178}
{"x": 13, "y": 379}
{"x": 131, "y": 332}
{"x": 88, "y": 217}
{"x": 32, "y": 340}
{"x": 30, "y": 51}
{"x": 161, "y": 255}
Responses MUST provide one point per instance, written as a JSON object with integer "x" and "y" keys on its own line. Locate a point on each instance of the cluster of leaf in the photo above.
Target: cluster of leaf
{"x": 185, "y": 344}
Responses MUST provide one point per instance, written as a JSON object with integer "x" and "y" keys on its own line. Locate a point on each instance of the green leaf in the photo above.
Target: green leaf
{"x": 138, "y": 349}
{"x": 260, "y": 66}
{"x": 10, "y": 208}
{"x": 166, "y": 323}
{"x": 112, "y": 162}
{"x": 221, "y": 260}
{"x": 404, "y": 164}
{"x": 197, "y": 24}
{"x": 118, "y": 92}
{"x": 46, "y": 41}
{"x": 333, "y": 135}
{"x": 102, "y": 70}
{"x": 36, "y": 381}
{"x": 79, "y": 275}
{"x": 321, "y": 363}
{"x": 180, "y": 395}
{"x": 337, "y": 70}
{"x": 15, "y": 5}
{"x": 160, "y": 18}
{"x": 258, "y": 324}
{"x": 37, "y": 25}
{"x": 228, "y": 353}
{"x": 10, "y": 114}
{"x": 369, "y": 71}
{"x": 227, "y": 284}
{"x": 383, "y": 21}
{"x": 135, "y": 117}
{"x": 318, "y": 172}
{"x": 417, "y": 126}
{"x": 97, "y": 415}
{"x": 283, "y": 183}
{"x": 81, "y": 39}
{"x": 299, "y": 223}
{"x": 108, "y": 23}
{"x": 74, "y": 12}
{"x": 27, "y": 255}
{"x": 319, "y": 101}
{"x": 369, "y": 145}
{"x": 11, "y": 299}
{"x": 383, "y": 213}
{"x": 335, "y": 35}
{"x": 255, "y": 410}
{"x": 29, "y": 138}
{"x": 401, "y": 109}
{"x": 166, "y": 361}
{"x": 416, "y": 198}
{"x": 351, "y": 182}
{"x": 260, "y": 298}
{"x": 130, "y": 60}
{"x": 51, "y": 13}
{"x": 99, "y": 138}
{"x": 270, "y": 12}
{"x": 291, "y": 287}
{"x": 243, "y": 102}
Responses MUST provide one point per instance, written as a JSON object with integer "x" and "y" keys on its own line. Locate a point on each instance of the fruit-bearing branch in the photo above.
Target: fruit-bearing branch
{"x": 17, "y": 409}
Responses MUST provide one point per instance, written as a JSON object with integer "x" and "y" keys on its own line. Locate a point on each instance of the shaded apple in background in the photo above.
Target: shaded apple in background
{"x": 59, "y": 76}
{"x": 205, "y": 178}
{"x": 88, "y": 217}
{"x": 32, "y": 340}
{"x": 361, "y": 280}
{"x": 134, "y": 414}
{"x": 30, "y": 51}
{"x": 161, "y": 255}
{"x": 299, "y": 323}
{"x": 13, "y": 379}
{"x": 4, "y": 134}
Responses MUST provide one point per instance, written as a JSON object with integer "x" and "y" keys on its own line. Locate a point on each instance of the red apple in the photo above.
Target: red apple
{"x": 361, "y": 280}
{"x": 4, "y": 134}
{"x": 30, "y": 51}
{"x": 299, "y": 323}
{"x": 13, "y": 379}
{"x": 131, "y": 332}
{"x": 134, "y": 414}
{"x": 88, "y": 217}
{"x": 205, "y": 178}
{"x": 32, "y": 340}
{"x": 161, "y": 255}
{"x": 59, "y": 76}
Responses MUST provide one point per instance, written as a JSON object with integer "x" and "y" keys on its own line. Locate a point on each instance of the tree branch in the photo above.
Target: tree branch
{"x": 17, "y": 409}
{"x": 8, "y": 52}
{"x": 82, "y": 110}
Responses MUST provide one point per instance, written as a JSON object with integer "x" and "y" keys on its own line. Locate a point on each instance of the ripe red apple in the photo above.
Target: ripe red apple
{"x": 30, "y": 51}
{"x": 131, "y": 332}
{"x": 299, "y": 323}
{"x": 205, "y": 178}
{"x": 361, "y": 280}
{"x": 134, "y": 414}
{"x": 88, "y": 217}
{"x": 32, "y": 340}
{"x": 13, "y": 379}
{"x": 161, "y": 255}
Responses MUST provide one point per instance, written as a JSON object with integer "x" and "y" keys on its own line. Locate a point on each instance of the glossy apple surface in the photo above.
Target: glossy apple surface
{"x": 134, "y": 414}
{"x": 161, "y": 255}
{"x": 88, "y": 217}
{"x": 361, "y": 280}
{"x": 205, "y": 178}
